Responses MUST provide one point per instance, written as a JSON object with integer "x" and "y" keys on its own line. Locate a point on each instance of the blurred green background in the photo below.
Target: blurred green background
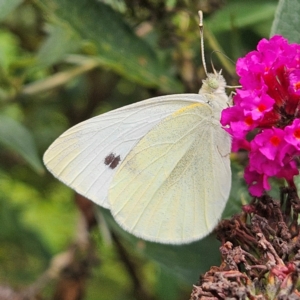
{"x": 63, "y": 61}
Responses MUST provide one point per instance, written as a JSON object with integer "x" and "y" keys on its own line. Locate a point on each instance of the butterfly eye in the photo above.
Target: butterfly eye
{"x": 213, "y": 83}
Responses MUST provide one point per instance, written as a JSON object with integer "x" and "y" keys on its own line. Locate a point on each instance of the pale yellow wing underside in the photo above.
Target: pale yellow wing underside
{"x": 78, "y": 156}
{"x": 174, "y": 184}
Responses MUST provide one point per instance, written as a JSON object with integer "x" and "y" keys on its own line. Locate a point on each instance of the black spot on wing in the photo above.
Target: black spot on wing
{"x": 112, "y": 160}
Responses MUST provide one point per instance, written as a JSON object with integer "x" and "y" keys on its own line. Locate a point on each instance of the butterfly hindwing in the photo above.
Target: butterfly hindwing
{"x": 173, "y": 185}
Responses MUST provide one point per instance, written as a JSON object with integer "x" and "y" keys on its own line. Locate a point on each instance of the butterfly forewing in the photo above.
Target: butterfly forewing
{"x": 87, "y": 156}
{"x": 173, "y": 185}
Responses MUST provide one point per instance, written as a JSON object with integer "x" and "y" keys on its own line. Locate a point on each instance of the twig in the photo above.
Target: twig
{"x": 59, "y": 79}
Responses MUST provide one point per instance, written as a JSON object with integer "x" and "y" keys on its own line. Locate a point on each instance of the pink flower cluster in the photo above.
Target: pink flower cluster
{"x": 265, "y": 118}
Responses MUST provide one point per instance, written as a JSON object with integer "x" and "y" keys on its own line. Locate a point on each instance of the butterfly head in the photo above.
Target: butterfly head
{"x": 213, "y": 84}
{"x": 213, "y": 88}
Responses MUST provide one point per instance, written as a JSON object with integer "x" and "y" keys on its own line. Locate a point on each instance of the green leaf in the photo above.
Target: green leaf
{"x": 167, "y": 287}
{"x": 8, "y": 49}
{"x": 242, "y": 14}
{"x": 239, "y": 194}
{"x": 7, "y": 6}
{"x": 16, "y": 137}
{"x": 287, "y": 21}
{"x": 16, "y": 231}
{"x": 187, "y": 262}
{"x": 61, "y": 41}
{"x": 21, "y": 245}
{"x": 170, "y": 4}
{"x": 117, "y": 46}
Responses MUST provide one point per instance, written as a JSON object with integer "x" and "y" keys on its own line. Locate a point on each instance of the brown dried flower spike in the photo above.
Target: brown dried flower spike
{"x": 260, "y": 253}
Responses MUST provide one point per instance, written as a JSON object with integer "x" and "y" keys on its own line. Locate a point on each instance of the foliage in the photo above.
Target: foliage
{"x": 63, "y": 61}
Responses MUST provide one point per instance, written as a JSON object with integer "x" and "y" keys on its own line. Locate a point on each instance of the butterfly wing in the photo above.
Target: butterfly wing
{"x": 173, "y": 185}
{"x": 87, "y": 156}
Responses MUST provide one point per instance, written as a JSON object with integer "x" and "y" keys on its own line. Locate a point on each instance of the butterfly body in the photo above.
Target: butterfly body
{"x": 160, "y": 165}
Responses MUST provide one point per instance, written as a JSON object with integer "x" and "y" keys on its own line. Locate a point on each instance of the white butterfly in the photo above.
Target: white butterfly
{"x": 161, "y": 165}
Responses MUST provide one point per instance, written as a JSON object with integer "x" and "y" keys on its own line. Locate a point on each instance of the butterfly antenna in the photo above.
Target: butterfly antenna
{"x": 223, "y": 54}
{"x": 213, "y": 67}
{"x": 202, "y": 40}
